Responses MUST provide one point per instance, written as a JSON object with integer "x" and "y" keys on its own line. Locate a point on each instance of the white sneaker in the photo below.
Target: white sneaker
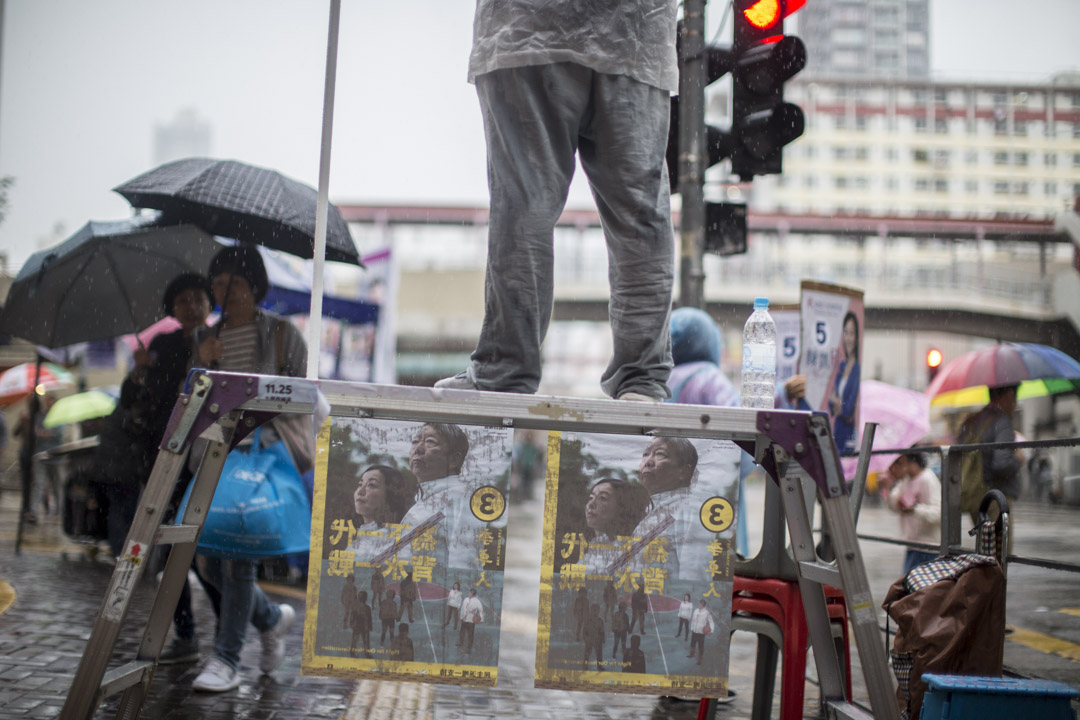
{"x": 460, "y": 381}
{"x": 217, "y": 676}
{"x": 273, "y": 640}
{"x": 639, "y": 397}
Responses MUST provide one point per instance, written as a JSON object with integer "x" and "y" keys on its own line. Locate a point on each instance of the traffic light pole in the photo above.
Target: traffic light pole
{"x": 692, "y": 73}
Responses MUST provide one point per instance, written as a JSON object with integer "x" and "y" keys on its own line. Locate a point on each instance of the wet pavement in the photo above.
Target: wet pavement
{"x": 51, "y": 593}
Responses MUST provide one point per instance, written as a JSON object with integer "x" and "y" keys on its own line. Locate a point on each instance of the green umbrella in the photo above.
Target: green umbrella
{"x": 81, "y": 406}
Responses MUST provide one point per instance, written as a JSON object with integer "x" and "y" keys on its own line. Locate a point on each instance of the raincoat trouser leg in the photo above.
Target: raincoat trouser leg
{"x": 536, "y": 118}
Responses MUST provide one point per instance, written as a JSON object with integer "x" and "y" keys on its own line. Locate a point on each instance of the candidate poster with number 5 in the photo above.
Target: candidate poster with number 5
{"x": 830, "y": 354}
{"x": 786, "y": 318}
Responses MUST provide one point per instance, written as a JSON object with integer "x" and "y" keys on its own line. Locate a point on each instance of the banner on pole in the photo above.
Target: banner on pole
{"x": 830, "y": 352}
{"x": 636, "y": 570}
{"x": 408, "y": 549}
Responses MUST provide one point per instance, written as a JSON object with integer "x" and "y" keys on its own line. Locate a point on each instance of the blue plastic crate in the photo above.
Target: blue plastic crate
{"x": 964, "y": 697}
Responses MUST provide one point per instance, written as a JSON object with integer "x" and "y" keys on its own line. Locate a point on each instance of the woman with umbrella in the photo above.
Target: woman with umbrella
{"x": 248, "y": 339}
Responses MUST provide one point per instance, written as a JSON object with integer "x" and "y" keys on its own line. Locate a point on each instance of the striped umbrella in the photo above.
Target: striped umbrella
{"x": 1038, "y": 369}
{"x": 18, "y": 382}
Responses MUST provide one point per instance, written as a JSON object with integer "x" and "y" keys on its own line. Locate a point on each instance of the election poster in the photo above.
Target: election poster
{"x": 786, "y": 318}
{"x": 637, "y": 563}
{"x": 830, "y": 352}
{"x": 408, "y": 548}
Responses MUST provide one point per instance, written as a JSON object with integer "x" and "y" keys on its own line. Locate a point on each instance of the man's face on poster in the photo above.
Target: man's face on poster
{"x": 661, "y": 470}
{"x": 429, "y": 458}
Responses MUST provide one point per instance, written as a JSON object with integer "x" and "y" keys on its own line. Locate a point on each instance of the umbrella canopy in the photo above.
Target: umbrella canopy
{"x": 78, "y": 407}
{"x": 903, "y": 418}
{"x": 104, "y": 281}
{"x": 240, "y": 201}
{"x": 1038, "y": 370}
{"x": 18, "y": 382}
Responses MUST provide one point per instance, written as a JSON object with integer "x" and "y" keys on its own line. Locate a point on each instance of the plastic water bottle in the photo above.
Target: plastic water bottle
{"x": 759, "y": 358}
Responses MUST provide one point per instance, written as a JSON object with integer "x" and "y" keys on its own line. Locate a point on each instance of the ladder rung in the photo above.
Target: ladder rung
{"x": 844, "y": 710}
{"x": 176, "y": 534}
{"x": 820, "y": 573}
{"x": 125, "y": 676}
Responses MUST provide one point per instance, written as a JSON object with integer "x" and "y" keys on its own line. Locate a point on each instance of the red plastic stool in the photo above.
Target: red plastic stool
{"x": 781, "y": 601}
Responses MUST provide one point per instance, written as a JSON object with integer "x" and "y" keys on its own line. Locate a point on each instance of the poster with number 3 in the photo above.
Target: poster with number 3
{"x": 830, "y": 353}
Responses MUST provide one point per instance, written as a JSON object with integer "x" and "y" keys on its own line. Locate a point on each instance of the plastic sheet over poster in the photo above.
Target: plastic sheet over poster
{"x": 408, "y": 550}
{"x": 636, "y": 576}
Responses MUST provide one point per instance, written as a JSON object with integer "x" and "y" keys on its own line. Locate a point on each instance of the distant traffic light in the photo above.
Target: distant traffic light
{"x": 762, "y": 123}
{"x": 933, "y": 364}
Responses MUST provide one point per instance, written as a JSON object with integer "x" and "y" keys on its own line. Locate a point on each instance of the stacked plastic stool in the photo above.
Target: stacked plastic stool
{"x": 773, "y": 609}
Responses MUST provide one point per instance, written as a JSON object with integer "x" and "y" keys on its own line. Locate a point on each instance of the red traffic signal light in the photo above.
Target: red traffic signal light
{"x": 763, "y": 14}
{"x": 933, "y": 358}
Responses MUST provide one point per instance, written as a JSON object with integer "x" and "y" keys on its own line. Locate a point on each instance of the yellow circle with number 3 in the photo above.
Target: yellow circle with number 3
{"x": 487, "y": 503}
{"x": 717, "y": 514}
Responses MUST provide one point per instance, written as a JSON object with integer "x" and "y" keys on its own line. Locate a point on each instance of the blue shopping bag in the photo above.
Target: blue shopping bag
{"x": 260, "y": 508}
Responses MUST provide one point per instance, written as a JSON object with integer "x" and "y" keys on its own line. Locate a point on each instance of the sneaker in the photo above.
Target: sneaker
{"x": 460, "y": 381}
{"x": 180, "y": 650}
{"x": 217, "y": 676}
{"x": 638, "y": 397}
{"x": 273, "y": 640}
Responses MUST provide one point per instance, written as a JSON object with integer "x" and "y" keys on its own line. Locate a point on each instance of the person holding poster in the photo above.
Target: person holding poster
{"x": 845, "y": 392}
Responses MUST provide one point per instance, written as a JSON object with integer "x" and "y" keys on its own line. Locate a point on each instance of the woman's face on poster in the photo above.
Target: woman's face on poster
{"x": 429, "y": 458}
{"x": 602, "y": 509}
{"x": 370, "y": 496}
{"x": 851, "y": 336}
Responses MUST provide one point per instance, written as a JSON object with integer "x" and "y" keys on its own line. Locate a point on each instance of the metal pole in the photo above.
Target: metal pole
{"x": 692, "y": 72}
{"x": 322, "y": 207}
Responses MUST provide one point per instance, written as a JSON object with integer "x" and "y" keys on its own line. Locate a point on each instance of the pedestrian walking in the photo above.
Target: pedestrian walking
{"x": 686, "y": 609}
{"x": 639, "y": 603}
{"x": 701, "y": 624}
{"x": 620, "y": 623}
{"x": 581, "y": 612}
{"x": 453, "y": 606}
{"x": 594, "y": 637}
{"x": 407, "y": 593}
{"x": 916, "y": 497}
{"x": 401, "y": 647}
{"x": 388, "y": 615}
{"x": 360, "y": 621}
{"x": 634, "y": 657}
{"x": 472, "y": 613}
{"x": 611, "y": 596}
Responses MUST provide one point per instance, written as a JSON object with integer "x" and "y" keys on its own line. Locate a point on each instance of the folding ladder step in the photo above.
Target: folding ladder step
{"x": 820, "y": 572}
{"x": 176, "y": 534}
{"x": 125, "y": 676}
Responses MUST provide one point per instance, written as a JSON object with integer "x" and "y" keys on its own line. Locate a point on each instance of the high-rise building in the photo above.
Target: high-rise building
{"x": 187, "y": 135}
{"x": 866, "y": 38}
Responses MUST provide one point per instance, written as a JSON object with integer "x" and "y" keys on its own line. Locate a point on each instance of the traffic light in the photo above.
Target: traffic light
{"x": 765, "y": 58}
{"x": 718, "y": 143}
{"x": 933, "y": 364}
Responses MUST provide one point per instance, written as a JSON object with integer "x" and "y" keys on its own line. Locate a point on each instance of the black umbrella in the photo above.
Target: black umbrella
{"x": 104, "y": 281}
{"x": 240, "y": 201}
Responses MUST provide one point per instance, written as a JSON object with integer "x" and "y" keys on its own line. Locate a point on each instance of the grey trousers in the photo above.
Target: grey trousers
{"x": 536, "y": 119}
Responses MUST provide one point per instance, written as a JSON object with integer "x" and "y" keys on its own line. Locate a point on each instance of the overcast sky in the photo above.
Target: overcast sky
{"x": 83, "y": 85}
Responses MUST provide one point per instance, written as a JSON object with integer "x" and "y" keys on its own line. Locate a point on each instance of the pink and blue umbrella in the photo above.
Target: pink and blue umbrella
{"x": 1038, "y": 369}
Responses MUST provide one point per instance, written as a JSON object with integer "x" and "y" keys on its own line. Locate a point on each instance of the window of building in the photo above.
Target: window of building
{"x": 840, "y": 153}
{"x": 921, "y": 125}
{"x": 1001, "y": 126}
{"x": 941, "y": 96}
{"x": 886, "y": 59}
{"x": 1076, "y": 130}
{"x": 1001, "y": 158}
{"x": 1001, "y": 98}
{"x": 810, "y": 181}
{"x": 941, "y": 126}
{"x": 971, "y": 157}
{"x": 861, "y": 122}
{"x": 1076, "y": 159}
{"x": 848, "y": 36}
{"x": 920, "y": 96}
{"x": 941, "y": 158}
{"x": 1050, "y": 188}
{"x": 941, "y": 185}
{"x": 1050, "y": 159}
{"x": 841, "y": 122}
{"x": 920, "y": 155}
{"x": 886, "y": 36}
{"x": 1019, "y": 127}
{"x": 862, "y": 153}
{"x": 886, "y": 15}
{"x": 891, "y": 154}
{"x": 1001, "y": 187}
{"x": 1076, "y": 189}
{"x": 1020, "y": 188}
{"x": 1021, "y": 159}
{"x": 971, "y": 186}
{"x": 891, "y": 183}
{"x": 922, "y": 184}
{"x": 862, "y": 182}
{"x": 840, "y": 182}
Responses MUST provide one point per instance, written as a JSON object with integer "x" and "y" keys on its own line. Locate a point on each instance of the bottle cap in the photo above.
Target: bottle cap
{"x": 761, "y": 303}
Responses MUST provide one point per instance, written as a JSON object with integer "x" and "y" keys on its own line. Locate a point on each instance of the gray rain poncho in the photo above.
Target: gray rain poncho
{"x": 617, "y": 37}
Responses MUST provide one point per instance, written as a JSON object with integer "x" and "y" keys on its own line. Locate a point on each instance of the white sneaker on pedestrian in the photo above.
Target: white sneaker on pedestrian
{"x": 460, "y": 381}
{"x": 273, "y": 640}
{"x": 217, "y": 676}
{"x": 638, "y": 397}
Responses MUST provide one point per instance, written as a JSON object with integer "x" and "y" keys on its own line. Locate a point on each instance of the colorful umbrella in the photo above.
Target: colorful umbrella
{"x": 1038, "y": 369}
{"x": 18, "y": 382}
{"x": 78, "y": 407}
{"x": 903, "y": 418}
